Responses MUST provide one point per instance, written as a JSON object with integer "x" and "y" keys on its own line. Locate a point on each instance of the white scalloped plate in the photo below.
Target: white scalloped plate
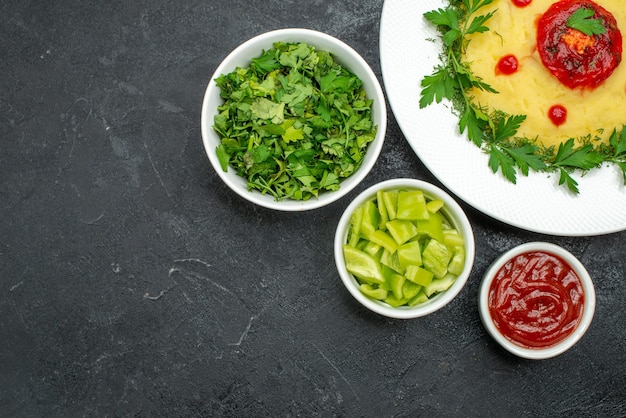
{"x": 536, "y": 203}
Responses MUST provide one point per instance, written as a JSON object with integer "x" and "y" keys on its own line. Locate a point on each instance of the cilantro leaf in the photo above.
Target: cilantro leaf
{"x": 581, "y": 21}
{"x": 569, "y": 158}
{"x": 448, "y": 20}
{"x": 526, "y": 157}
{"x": 222, "y": 156}
{"x": 264, "y": 108}
{"x": 436, "y": 87}
{"x": 475, "y": 121}
{"x": 474, "y": 5}
{"x": 266, "y": 62}
{"x": 565, "y": 178}
{"x": 293, "y": 134}
{"x": 478, "y": 24}
{"x": 443, "y": 17}
{"x": 584, "y": 157}
{"x": 502, "y": 161}
{"x": 260, "y": 154}
{"x": 507, "y": 127}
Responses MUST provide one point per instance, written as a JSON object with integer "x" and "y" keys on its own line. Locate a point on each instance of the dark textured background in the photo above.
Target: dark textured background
{"x": 133, "y": 282}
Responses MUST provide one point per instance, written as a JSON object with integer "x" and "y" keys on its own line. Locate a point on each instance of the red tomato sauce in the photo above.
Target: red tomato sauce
{"x": 557, "y": 114}
{"x": 574, "y": 58}
{"x": 536, "y": 300}
{"x": 522, "y": 3}
{"x": 507, "y": 65}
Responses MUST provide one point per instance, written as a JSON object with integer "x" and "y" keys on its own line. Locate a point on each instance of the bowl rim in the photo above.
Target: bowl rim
{"x": 342, "y": 52}
{"x": 452, "y": 210}
{"x": 568, "y": 342}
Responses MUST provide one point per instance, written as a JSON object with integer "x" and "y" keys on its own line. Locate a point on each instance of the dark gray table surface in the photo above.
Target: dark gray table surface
{"x": 133, "y": 282}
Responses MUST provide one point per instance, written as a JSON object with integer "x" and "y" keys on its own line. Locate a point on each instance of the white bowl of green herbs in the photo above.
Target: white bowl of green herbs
{"x": 293, "y": 119}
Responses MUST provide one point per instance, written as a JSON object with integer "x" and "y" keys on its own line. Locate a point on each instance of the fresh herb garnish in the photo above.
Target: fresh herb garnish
{"x": 454, "y": 75}
{"x": 568, "y": 158}
{"x": 494, "y": 131}
{"x": 581, "y": 21}
{"x": 294, "y": 123}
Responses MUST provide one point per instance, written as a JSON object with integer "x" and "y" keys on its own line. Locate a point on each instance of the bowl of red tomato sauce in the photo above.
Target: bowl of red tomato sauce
{"x": 537, "y": 300}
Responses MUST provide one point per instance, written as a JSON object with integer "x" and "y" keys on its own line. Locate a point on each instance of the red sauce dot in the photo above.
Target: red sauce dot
{"x": 557, "y": 114}
{"x": 507, "y": 65}
{"x": 521, "y": 3}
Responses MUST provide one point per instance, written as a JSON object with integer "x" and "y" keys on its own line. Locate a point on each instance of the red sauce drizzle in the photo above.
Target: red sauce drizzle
{"x": 507, "y": 65}
{"x": 557, "y": 114}
{"x": 574, "y": 58}
{"x": 536, "y": 300}
{"x": 521, "y": 3}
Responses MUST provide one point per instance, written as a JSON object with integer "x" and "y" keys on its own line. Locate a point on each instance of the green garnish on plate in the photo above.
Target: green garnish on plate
{"x": 294, "y": 123}
{"x": 492, "y": 130}
{"x": 581, "y": 21}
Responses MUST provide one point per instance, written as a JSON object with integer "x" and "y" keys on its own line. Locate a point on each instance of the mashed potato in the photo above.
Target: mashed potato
{"x": 533, "y": 90}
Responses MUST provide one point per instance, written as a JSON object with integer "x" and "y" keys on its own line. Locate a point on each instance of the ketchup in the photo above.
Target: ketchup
{"x": 573, "y": 57}
{"x": 536, "y": 299}
{"x": 507, "y": 65}
{"x": 557, "y": 114}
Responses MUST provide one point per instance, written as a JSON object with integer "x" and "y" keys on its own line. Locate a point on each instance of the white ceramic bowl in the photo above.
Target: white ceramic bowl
{"x": 451, "y": 210}
{"x": 241, "y": 57}
{"x": 563, "y": 345}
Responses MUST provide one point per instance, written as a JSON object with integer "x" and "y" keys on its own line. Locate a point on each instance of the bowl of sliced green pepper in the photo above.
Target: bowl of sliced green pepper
{"x": 404, "y": 248}
{"x": 293, "y": 119}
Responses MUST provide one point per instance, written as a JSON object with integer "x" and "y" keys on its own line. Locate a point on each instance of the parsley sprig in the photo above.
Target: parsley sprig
{"x": 493, "y": 130}
{"x": 581, "y": 21}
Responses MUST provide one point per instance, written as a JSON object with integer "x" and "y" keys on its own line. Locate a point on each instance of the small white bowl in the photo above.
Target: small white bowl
{"x": 451, "y": 210}
{"x": 344, "y": 55}
{"x": 559, "y": 347}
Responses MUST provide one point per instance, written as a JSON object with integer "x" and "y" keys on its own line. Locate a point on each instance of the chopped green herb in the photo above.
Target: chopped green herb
{"x": 294, "y": 123}
{"x": 492, "y": 130}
